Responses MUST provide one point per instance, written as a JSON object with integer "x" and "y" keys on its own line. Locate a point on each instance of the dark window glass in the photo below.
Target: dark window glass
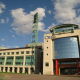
{"x": 17, "y": 52}
{"x": 22, "y": 52}
{"x": 28, "y": 57}
{"x": 8, "y": 53}
{"x": 47, "y": 64}
{"x": 47, "y": 47}
{"x": 19, "y": 57}
{"x": 4, "y": 53}
{"x": 10, "y": 57}
{"x": 12, "y": 52}
{"x": 19, "y": 63}
{"x": 47, "y": 40}
{"x": 27, "y": 52}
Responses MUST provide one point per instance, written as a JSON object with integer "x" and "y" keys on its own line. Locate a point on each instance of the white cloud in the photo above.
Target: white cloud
{"x": 16, "y": 46}
{"x": 4, "y": 20}
{"x": 2, "y": 7}
{"x": 49, "y": 11}
{"x": 66, "y": 11}
{"x": 23, "y": 21}
{"x": 2, "y": 39}
{"x": 13, "y": 36}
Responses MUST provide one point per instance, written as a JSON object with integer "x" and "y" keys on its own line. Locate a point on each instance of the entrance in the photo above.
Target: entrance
{"x": 1, "y": 69}
{"x": 20, "y": 70}
{"x": 10, "y": 69}
{"x": 26, "y": 70}
{"x": 15, "y": 69}
{"x": 6, "y": 69}
{"x": 32, "y": 70}
{"x": 68, "y": 71}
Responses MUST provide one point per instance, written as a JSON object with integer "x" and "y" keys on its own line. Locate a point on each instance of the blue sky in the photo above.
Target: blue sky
{"x": 16, "y": 18}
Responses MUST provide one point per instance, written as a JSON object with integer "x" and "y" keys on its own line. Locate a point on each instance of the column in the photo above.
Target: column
{"x": 3, "y": 69}
{"x": 23, "y": 70}
{"x": 29, "y": 71}
{"x": 5, "y": 60}
{"x": 13, "y": 65}
{"x": 59, "y": 71}
{"x": 24, "y": 60}
{"x": 57, "y": 67}
{"x": 4, "y": 63}
{"x": 12, "y": 69}
{"x": 14, "y": 61}
{"x": 24, "y": 64}
{"x": 0, "y": 69}
{"x": 18, "y": 69}
{"x": 8, "y": 69}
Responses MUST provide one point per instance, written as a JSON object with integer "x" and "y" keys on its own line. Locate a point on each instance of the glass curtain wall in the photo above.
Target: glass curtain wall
{"x": 66, "y": 48}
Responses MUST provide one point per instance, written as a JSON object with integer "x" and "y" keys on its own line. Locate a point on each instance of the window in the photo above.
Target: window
{"x": 8, "y": 63}
{"x": 29, "y": 63}
{"x": 4, "y": 53}
{"x": 22, "y": 52}
{"x": 17, "y": 52}
{"x": 12, "y": 53}
{"x": 47, "y": 41}
{"x": 27, "y": 52}
{"x": 66, "y": 47}
{"x": 28, "y": 57}
{"x": 32, "y": 51}
{"x": 1, "y": 63}
{"x": 19, "y": 63}
{"x": 47, "y": 47}
{"x": 8, "y": 53}
{"x": 0, "y": 53}
{"x": 19, "y": 57}
{"x": 47, "y": 64}
{"x": 47, "y": 54}
{"x": 2, "y": 58}
{"x": 10, "y": 58}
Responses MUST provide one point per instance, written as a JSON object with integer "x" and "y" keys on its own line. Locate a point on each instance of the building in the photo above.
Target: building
{"x": 21, "y": 60}
{"x": 61, "y": 53}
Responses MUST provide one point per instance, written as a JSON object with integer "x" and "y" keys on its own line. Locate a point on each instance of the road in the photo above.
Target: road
{"x": 8, "y": 76}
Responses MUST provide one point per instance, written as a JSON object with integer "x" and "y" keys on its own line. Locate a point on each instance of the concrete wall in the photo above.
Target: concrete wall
{"x": 48, "y": 55}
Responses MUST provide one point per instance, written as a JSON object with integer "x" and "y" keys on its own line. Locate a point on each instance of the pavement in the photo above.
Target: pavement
{"x": 10, "y": 76}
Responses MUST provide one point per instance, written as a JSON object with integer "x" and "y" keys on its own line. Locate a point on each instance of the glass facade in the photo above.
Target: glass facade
{"x": 9, "y": 60}
{"x": 19, "y": 60}
{"x": 66, "y": 48}
{"x": 29, "y": 60}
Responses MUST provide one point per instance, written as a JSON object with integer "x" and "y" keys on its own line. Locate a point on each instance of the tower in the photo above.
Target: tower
{"x": 35, "y": 29}
{"x": 34, "y": 40}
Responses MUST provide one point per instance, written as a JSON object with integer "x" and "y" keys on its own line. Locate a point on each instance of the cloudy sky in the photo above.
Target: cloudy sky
{"x": 16, "y": 18}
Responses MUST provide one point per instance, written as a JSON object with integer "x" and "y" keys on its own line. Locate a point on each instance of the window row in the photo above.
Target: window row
{"x": 12, "y": 53}
{"x": 18, "y": 63}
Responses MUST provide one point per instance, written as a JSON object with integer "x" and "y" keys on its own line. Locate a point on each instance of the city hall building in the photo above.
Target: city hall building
{"x": 61, "y": 53}
{"x": 58, "y": 55}
{"x": 21, "y": 60}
